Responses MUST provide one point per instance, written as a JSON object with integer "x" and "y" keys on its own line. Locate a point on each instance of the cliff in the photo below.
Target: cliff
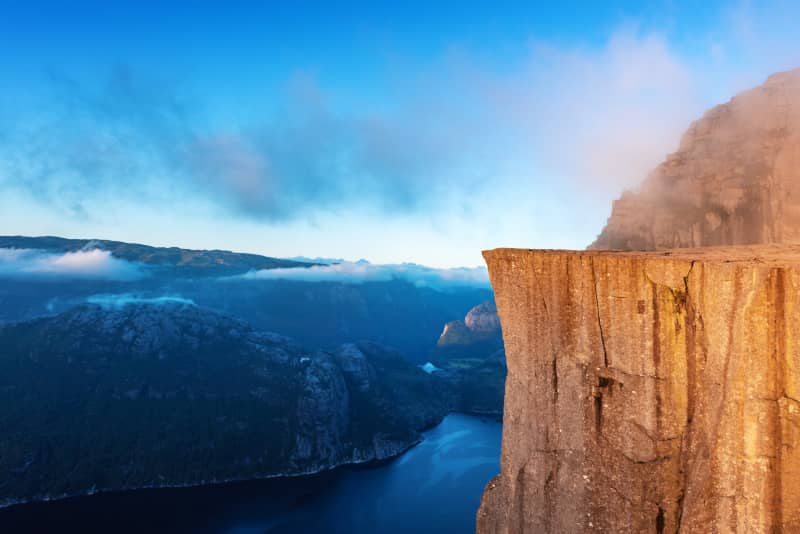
{"x": 648, "y": 391}
{"x": 735, "y": 179}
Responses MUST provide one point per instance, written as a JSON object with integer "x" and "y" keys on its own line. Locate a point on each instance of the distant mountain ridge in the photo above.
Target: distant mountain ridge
{"x": 321, "y": 314}
{"x": 169, "y": 260}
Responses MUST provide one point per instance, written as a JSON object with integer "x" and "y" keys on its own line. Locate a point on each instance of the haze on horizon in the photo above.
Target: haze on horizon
{"x": 411, "y": 133}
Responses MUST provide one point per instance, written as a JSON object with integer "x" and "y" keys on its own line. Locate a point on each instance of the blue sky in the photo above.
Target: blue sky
{"x": 418, "y": 131}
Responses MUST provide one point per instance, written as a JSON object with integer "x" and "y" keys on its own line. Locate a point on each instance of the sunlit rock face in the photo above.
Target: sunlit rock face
{"x": 483, "y": 319}
{"x": 648, "y": 392}
{"x": 469, "y": 358}
{"x": 480, "y": 323}
{"x": 735, "y": 179}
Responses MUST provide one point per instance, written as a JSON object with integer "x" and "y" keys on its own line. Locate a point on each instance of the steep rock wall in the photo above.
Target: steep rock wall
{"x": 648, "y": 392}
{"x": 735, "y": 179}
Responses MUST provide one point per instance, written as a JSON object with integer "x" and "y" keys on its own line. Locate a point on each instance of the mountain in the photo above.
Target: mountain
{"x": 166, "y": 260}
{"x": 735, "y": 179}
{"x": 319, "y": 314}
{"x": 478, "y": 333}
{"x": 470, "y": 358}
{"x": 152, "y": 395}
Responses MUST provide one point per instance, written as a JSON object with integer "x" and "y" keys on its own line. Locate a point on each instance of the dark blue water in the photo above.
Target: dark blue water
{"x": 433, "y": 488}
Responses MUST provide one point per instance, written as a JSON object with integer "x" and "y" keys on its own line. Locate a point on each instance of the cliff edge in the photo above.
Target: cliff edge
{"x": 648, "y": 391}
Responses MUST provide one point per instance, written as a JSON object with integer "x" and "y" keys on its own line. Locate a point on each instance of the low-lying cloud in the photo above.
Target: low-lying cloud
{"x": 82, "y": 264}
{"x": 119, "y": 300}
{"x": 325, "y": 261}
{"x": 362, "y": 271}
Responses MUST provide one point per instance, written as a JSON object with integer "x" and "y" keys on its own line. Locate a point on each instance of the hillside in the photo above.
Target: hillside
{"x": 166, "y": 260}
{"x": 146, "y": 395}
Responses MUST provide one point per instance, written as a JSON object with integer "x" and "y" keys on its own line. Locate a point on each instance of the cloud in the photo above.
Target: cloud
{"x": 90, "y": 143}
{"x": 362, "y": 271}
{"x": 312, "y": 157}
{"x": 89, "y": 264}
{"x": 140, "y": 137}
{"x": 456, "y": 129}
{"x": 554, "y": 121}
{"x": 306, "y": 259}
{"x": 119, "y": 300}
{"x": 604, "y": 118}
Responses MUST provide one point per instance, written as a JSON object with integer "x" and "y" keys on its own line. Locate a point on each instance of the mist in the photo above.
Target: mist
{"x": 116, "y": 301}
{"x": 85, "y": 264}
{"x": 361, "y": 272}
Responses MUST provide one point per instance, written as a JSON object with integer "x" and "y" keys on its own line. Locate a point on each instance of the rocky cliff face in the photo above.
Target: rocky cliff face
{"x": 735, "y": 179}
{"x": 483, "y": 319}
{"x": 648, "y": 392}
{"x": 479, "y": 330}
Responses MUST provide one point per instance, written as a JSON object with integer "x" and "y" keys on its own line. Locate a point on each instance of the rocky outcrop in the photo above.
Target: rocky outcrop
{"x": 735, "y": 179}
{"x": 483, "y": 319}
{"x": 470, "y": 360}
{"x": 478, "y": 335}
{"x": 481, "y": 323}
{"x": 648, "y": 392}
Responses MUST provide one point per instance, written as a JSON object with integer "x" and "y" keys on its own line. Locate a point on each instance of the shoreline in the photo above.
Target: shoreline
{"x": 11, "y": 503}
{"x": 451, "y": 465}
{"x": 362, "y": 464}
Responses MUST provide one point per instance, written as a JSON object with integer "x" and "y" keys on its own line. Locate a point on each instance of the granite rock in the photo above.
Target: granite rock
{"x": 648, "y": 391}
{"x": 735, "y": 179}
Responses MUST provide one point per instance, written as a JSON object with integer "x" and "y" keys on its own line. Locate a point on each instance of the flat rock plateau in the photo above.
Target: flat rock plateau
{"x": 648, "y": 391}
